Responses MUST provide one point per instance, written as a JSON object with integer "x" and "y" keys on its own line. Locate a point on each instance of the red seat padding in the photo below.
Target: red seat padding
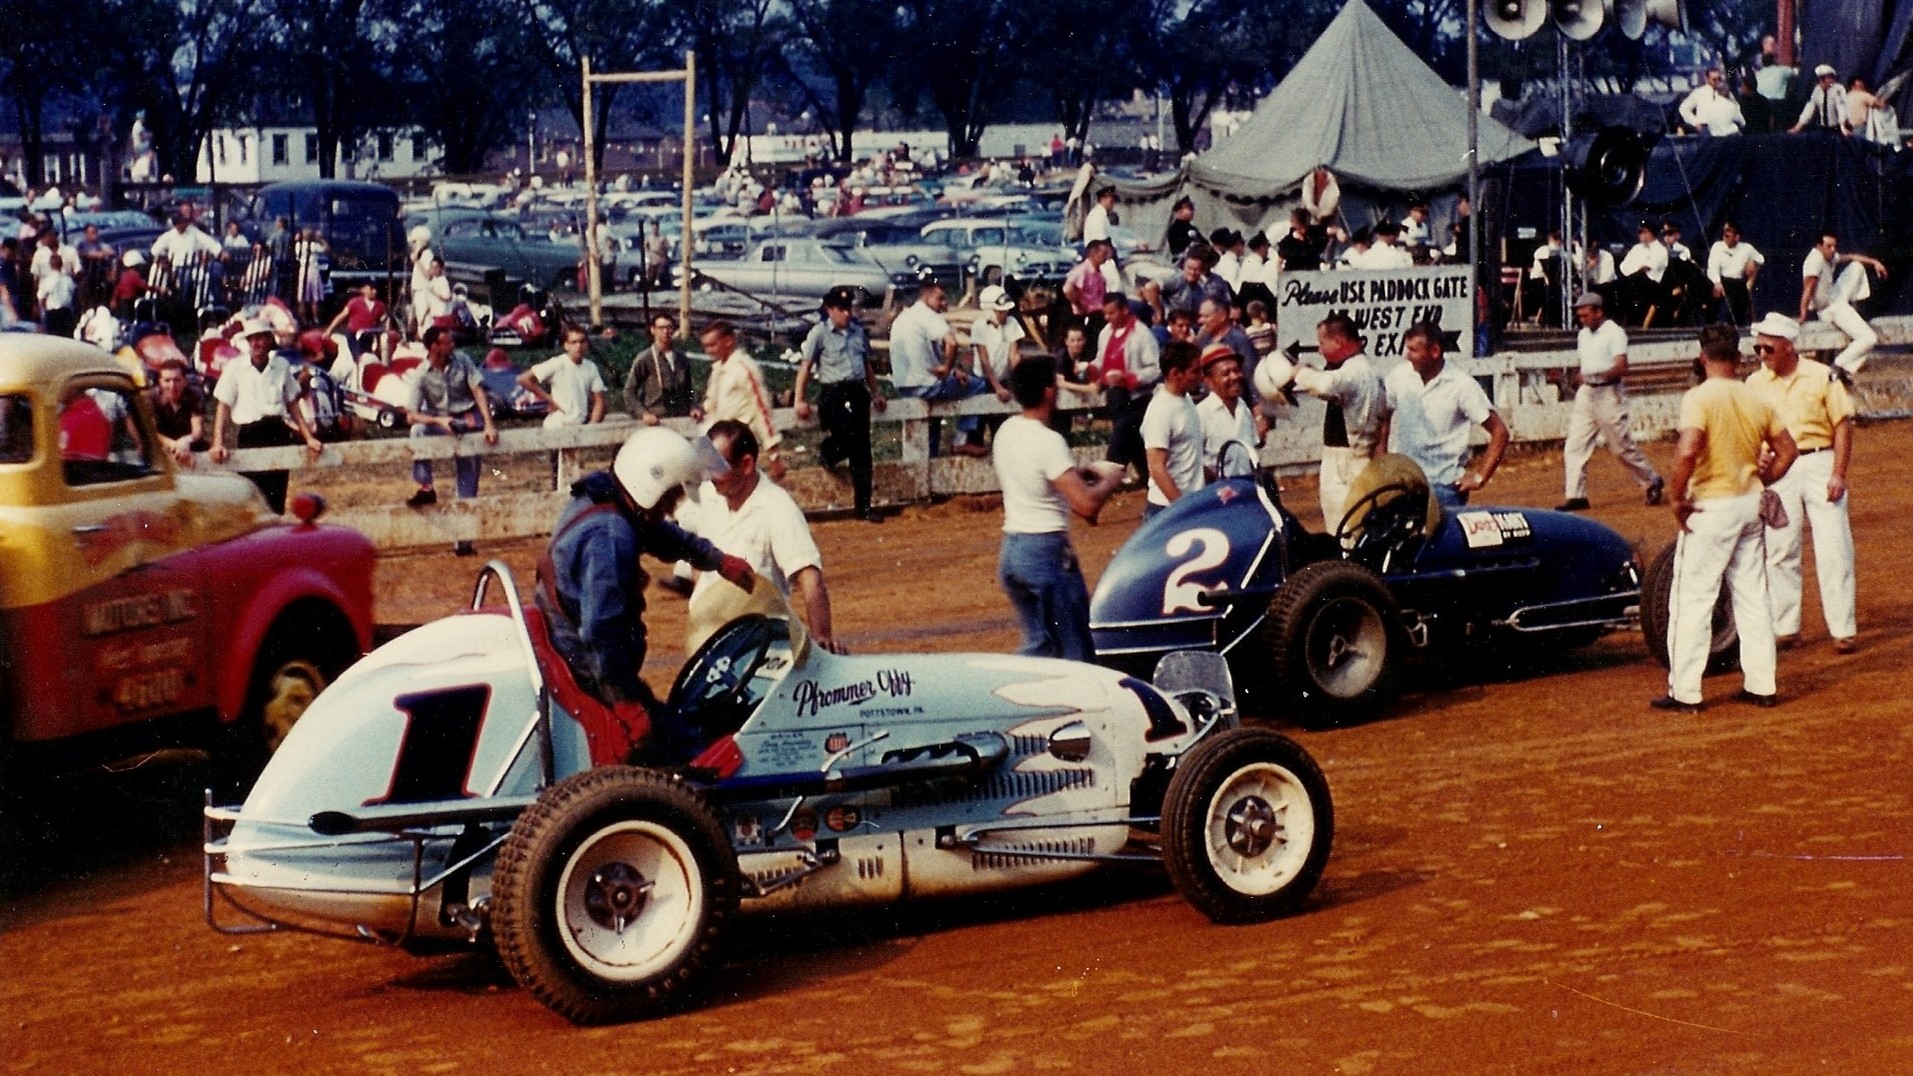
{"x": 611, "y": 730}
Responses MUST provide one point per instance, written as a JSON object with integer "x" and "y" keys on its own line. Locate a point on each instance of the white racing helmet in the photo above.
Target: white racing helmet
{"x": 653, "y": 460}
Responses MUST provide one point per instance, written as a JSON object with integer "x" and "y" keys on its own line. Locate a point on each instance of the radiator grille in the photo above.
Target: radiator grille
{"x": 996, "y": 860}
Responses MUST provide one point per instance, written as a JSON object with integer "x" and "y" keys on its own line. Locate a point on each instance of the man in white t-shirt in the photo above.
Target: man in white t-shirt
{"x": 1832, "y": 296}
{"x": 1600, "y": 407}
{"x": 924, "y": 363}
{"x": 1433, "y": 408}
{"x": 1232, "y": 430}
{"x": 994, "y": 337}
{"x": 576, "y": 395}
{"x": 1732, "y": 265}
{"x": 1385, "y": 252}
{"x": 1096, "y": 222}
{"x": 743, "y": 513}
{"x": 1172, "y": 431}
{"x": 1041, "y": 488}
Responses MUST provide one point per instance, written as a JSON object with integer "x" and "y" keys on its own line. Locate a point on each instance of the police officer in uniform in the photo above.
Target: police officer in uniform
{"x": 837, "y": 351}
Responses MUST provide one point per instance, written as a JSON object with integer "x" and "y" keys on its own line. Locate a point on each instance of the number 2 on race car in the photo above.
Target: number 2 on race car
{"x": 1211, "y": 548}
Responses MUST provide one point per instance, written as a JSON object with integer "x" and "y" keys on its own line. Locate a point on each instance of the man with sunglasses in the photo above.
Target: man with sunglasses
{"x": 1711, "y": 108}
{"x": 1819, "y": 414}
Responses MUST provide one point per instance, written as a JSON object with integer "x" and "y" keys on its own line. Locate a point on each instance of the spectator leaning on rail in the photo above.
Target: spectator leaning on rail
{"x": 259, "y": 398}
{"x": 447, "y": 398}
{"x": 576, "y": 393}
{"x": 659, "y": 383}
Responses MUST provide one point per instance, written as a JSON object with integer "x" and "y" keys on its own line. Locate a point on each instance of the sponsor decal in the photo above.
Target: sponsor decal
{"x": 142, "y": 611}
{"x": 803, "y": 825}
{"x": 843, "y": 819}
{"x": 120, "y": 657}
{"x": 811, "y": 698}
{"x": 1485, "y": 530}
{"x": 1225, "y": 494}
{"x": 836, "y": 742}
{"x": 747, "y": 828}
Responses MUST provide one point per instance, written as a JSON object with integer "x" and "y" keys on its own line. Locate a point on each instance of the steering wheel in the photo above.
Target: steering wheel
{"x": 1397, "y": 525}
{"x": 1234, "y": 460}
{"x": 718, "y": 672}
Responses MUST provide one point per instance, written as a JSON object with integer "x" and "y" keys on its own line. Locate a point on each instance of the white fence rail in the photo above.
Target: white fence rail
{"x": 1524, "y": 392}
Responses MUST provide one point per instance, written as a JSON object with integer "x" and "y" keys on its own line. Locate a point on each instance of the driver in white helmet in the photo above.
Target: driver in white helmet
{"x": 590, "y": 584}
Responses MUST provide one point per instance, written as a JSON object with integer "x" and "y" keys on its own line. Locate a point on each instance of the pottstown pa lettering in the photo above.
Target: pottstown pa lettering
{"x": 810, "y": 699}
{"x": 143, "y": 611}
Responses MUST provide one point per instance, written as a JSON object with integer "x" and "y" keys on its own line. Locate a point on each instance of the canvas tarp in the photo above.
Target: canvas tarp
{"x": 1359, "y": 103}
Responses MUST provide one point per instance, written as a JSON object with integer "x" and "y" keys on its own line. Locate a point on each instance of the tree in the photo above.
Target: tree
{"x": 473, "y": 74}
{"x": 1202, "y": 51}
{"x": 36, "y": 64}
{"x": 734, "y": 40}
{"x": 184, "y": 62}
{"x": 1088, "y": 55}
{"x": 334, "y": 57}
{"x": 845, "y": 45}
{"x": 618, "y": 35}
{"x": 963, "y": 54}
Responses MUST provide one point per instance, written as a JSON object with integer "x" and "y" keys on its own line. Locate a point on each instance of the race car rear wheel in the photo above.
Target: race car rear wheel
{"x": 1246, "y": 826}
{"x": 1336, "y": 638}
{"x": 1657, "y": 599}
{"x": 613, "y": 893}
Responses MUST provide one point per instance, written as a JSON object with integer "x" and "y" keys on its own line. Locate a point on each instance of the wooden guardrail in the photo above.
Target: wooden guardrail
{"x": 1523, "y": 390}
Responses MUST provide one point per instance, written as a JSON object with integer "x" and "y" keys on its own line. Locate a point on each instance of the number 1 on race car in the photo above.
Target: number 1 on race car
{"x": 1179, "y": 593}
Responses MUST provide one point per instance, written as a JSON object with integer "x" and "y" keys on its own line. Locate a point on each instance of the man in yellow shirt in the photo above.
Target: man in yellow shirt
{"x": 1819, "y": 414}
{"x": 1732, "y": 443}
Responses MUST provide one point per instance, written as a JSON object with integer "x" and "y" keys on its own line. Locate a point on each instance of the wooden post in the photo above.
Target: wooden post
{"x": 593, "y": 284}
{"x": 690, "y": 160}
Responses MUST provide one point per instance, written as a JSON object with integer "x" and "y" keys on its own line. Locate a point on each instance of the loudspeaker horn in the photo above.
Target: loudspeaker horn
{"x": 1608, "y": 168}
{"x": 1514, "y": 20}
{"x": 1630, "y": 18}
{"x": 1579, "y": 19}
{"x": 1669, "y": 13}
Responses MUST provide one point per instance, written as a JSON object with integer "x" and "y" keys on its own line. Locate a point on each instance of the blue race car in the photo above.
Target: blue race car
{"x": 1318, "y": 626}
{"x": 454, "y": 788}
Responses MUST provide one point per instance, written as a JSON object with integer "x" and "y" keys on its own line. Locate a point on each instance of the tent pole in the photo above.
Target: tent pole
{"x": 1474, "y": 168}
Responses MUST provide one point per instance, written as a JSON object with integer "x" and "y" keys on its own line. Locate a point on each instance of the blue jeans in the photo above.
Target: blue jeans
{"x": 1045, "y": 584}
{"x": 1448, "y": 496}
{"x": 949, "y": 389}
{"x": 466, "y": 467}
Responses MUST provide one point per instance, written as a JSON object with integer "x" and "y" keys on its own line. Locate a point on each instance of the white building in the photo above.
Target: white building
{"x": 271, "y": 154}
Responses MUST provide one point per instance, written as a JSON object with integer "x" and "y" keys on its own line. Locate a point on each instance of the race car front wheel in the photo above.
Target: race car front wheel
{"x": 1246, "y": 826}
{"x": 1657, "y": 599}
{"x": 612, "y": 894}
{"x": 1336, "y": 639}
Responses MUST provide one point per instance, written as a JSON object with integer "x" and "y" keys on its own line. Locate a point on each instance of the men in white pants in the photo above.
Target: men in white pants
{"x": 1832, "y": 296}
{"x": 1357, "y": 407}
{"x": 1732, "y": 443}
{"x": 1819, "y": 414}
{"x": 1600, "y": 407}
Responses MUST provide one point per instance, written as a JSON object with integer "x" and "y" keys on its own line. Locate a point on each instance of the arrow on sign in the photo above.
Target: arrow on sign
{"x": 1297, "y": 349}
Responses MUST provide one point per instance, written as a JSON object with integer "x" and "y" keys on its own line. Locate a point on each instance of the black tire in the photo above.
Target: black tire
{"x": 1657, "y": 596}
{"x": 549, "y": 917}
{"x": 306, "y": 649}
{"x": 1233, "y": 854}
{"x": 1336, "y": 641}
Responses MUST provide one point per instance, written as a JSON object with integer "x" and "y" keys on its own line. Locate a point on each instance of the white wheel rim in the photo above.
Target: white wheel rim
{"x": 1259, "y": 829}
{"x": 649, "y": 874}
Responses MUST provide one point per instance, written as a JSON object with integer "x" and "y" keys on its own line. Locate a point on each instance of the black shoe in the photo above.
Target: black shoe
{"x": 869, "y": 515}
{"x": 1844, "y": 376}
{"x": 1655, "y": 491}
{"x": 1765, "y": 702}
{"x": 464, "y": 549}
{"x": 1575, "y": 504}
{"x": 421, "y": 498}
{"x": 1674, "y": 705}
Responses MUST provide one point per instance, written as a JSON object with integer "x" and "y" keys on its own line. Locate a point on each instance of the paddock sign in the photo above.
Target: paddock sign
{"x": 1384, "y": 302}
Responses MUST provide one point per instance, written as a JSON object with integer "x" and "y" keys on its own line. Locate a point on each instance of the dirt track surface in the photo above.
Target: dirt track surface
{"x": 1535, "y": 874}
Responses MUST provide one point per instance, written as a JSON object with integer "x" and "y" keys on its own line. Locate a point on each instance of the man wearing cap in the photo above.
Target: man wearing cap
{"x": 837, "y": 353}
{"x": 994, "y": 337}
{"x": 130, "y": 286}
{"x": 1711, "y": 109}
{"x": 1355, "y": 427}
{"x": 1172, "y": 431}
{"x": 1600, "y": 407}
{"x": 1232, "y": 430}
{"x": 259, "y": 399}
{"x": 1830, "y": 291}
{"x": 1826, "y": 106}
{"x": 1732, "y": 443}
{"x": 1433, "y": 408}
{"x": 1819, "y": 416}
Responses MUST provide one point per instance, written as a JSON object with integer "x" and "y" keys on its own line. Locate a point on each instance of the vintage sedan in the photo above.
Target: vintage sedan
{"x": 142, "y": 607}
{"x": 797, "y": 269}
{"x": 476, "y": 244}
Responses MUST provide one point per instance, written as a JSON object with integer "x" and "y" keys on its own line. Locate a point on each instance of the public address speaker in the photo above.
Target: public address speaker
{"x": 1579, "y": 20}
{"x": 1608, "y": 168}
{"x": 1515, "y": 20}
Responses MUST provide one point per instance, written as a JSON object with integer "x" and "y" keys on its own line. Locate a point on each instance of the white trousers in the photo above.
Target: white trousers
{"x": 1339, "y": 468}
{"x": 1600, "y": 414}
{"x": 1804, "y": 492}
{"x": 1726, "y": 540}
{"x": 1842, "y": 316}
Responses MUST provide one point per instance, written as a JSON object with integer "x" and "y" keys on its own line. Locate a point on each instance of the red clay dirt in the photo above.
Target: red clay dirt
{"x": 1531, "y": 875}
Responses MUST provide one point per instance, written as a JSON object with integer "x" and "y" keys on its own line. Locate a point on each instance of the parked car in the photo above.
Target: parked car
{"x": 359, "y": 221}
{"x": 993, "y": 249}
{"x": 1319, "y": 626}
{"x": 897, "y": 245}
{"x": 437, "y": 796}
{"x": 121, "y": 229}
{"x": 143, "y": 607}
{"x": 479, "y": 246}
{"x": 796, "y": 268}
